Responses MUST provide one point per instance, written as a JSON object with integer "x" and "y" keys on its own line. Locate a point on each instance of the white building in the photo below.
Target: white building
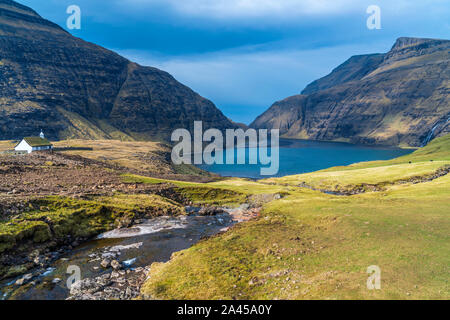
{"x": 30, "y": 144}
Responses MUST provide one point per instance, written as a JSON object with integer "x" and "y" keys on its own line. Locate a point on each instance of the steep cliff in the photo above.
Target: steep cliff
{"x": 72, "y": 88}
{"x": 398, "y": 98}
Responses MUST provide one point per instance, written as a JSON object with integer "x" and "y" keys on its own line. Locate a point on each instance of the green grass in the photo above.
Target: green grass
{"x": 225, "y": 192}
{"x": 314, "y": 246}
{"x": 133, "y": 178}
{"x": 342, "y": 179}
{"x": 420, "y": 163}
{"x": 188, "y": 169}
{"x": 436, "y": 150}
{"x": 310, "y": 245}
{"x": 198, "y": 193}
{"x": 201, "y": 195}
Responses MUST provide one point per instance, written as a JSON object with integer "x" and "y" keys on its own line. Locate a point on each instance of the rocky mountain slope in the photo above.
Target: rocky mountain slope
{"x": 398, "y": 98}
{"x": 72, "y": 88}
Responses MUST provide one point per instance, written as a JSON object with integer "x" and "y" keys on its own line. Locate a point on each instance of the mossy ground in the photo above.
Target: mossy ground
{"x": 229, "y": 192}
{"x": 311, "y": 245}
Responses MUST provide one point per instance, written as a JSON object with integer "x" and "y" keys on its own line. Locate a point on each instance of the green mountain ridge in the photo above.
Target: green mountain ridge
{"x": 400, "y": 98}
{"x": 75, "y": 89}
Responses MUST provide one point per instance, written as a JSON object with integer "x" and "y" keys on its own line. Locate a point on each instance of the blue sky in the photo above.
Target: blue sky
{"x": 246, "y": 54}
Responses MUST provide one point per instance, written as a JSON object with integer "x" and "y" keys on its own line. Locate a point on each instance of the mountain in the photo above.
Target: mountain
{"x": 71, "y": 88}
{"x": 401, "y": 98}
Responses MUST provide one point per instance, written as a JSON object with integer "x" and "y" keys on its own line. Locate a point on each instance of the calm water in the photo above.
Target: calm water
{"x": 301, "y": 156}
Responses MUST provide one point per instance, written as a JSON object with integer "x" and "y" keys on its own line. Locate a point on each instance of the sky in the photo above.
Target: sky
{"x": 244, "y": 55}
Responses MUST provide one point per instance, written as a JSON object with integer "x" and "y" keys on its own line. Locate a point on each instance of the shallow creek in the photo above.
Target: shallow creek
{"x": 137, "y": 247}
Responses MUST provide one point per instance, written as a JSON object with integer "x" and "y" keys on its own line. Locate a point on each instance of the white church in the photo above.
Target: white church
{"x": 31, "y": 144}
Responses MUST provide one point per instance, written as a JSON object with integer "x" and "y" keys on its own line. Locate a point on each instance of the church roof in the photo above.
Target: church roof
{"x": 37, "y": 141}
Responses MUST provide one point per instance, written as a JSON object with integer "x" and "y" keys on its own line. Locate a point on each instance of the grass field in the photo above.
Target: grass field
{"x": 7, "y": 145}
{"x": 311, "y": 245}
{"x": 143, "y": 156}
{"x": 135, "y": 155}
{"x": 146, "y": 156}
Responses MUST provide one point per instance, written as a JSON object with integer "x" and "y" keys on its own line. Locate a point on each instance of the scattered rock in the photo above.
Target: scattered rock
{"x": 210, "y": 211}
{"x": 115, "y": 264}
{"x": 129, "y": 263}
{"x": 105, "y": 263}
{"x": 119, "y": 285}
{"x": 24, "y": 279}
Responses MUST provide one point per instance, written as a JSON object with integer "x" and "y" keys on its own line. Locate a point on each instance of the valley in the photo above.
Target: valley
{"x": 361, "y": 180}
{"x": 302, "y": 244}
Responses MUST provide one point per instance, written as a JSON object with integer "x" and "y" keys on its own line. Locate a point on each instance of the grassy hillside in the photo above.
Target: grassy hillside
{"x": 372, "y": 99}
{"x": 312, "y": 245}
{"x": 421, "y": 163}
{"x": 144, "y": 156}
{"x": 7, "y": 145}
{"x": 149, "y": 157}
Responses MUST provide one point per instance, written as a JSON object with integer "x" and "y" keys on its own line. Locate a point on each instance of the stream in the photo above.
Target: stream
{"x": 135, "y": 248}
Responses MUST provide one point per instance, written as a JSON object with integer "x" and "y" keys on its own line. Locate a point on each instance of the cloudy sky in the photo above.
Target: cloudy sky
{"x": 246, "y": 54}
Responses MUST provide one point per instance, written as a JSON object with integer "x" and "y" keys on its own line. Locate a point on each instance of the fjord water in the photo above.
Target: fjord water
{"x": 302, "y": 156}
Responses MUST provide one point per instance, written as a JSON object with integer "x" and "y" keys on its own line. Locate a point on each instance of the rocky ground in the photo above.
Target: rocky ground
{"x": 119, "y": 281}
{"x": 46, "y": 174}
{"x": 43, "y": 174}
{"x": 116, "y": 285}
